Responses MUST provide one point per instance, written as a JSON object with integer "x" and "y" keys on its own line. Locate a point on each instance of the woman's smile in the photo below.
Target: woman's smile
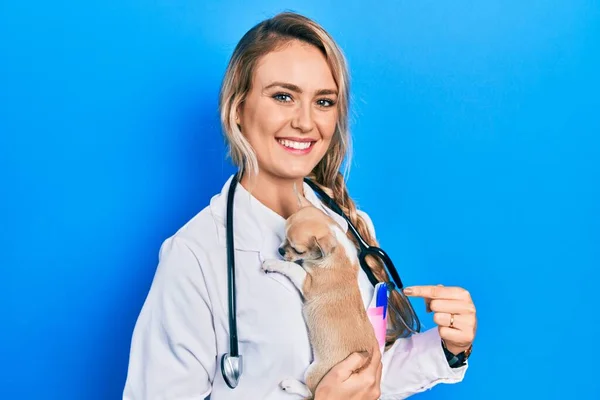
{"x": 298, "y": 146}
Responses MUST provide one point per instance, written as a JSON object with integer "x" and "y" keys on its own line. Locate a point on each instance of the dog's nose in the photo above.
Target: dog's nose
{"x": 282, "y": 251}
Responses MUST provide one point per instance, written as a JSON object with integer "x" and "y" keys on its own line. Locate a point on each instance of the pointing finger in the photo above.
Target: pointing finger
{"x": 428, "y": 303}
{"x": 437, "y": 292}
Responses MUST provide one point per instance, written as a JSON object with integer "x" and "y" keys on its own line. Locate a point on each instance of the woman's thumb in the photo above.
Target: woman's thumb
{"x": 349, "y": 365}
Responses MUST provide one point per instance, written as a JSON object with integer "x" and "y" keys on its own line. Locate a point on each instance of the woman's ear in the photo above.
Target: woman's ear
{"x": 238, "y": 114}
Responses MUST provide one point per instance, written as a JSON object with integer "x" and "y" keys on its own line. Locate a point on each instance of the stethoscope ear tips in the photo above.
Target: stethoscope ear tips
{"x": 231, "y": 368}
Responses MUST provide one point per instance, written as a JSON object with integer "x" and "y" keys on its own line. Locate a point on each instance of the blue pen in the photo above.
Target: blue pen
{"x": 382, "y": 298}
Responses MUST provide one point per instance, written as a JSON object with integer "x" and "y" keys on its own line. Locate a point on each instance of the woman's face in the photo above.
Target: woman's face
{"x": 290, "y": 114}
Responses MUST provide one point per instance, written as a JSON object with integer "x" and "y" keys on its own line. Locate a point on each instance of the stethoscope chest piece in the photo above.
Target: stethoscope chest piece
{"x": 231, "y": 368}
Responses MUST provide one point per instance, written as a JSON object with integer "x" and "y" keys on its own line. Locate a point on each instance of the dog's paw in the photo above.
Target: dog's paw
{"x": 270, "y": 265}
{"x": 294, "y": 386}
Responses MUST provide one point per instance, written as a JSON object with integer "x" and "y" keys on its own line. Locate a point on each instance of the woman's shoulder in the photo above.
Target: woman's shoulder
{"x": 204, "y": 231}
{"x": 200, "y": 230}
{"x": 189, "y": 245}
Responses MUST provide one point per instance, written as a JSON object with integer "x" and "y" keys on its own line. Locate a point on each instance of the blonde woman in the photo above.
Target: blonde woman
{"x": 284, "y": 110}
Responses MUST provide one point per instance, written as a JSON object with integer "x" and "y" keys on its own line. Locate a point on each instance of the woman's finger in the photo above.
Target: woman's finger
{"x": 344, "y": 369}
{"x": 457, "y": 337}
{"x": 375, "y": 360}
{"x": 452, "y": 306}
{"x": 437, "y": 292}
{"x": 376, "y": 389}
{"x": 428, "y": 301}
{"x": 454, "y": 321}
{"x": 379, "y": 369}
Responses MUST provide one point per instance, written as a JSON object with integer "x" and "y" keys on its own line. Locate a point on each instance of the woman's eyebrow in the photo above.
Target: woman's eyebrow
{"x": 296, "y": 88}
{"x": 326, "y": 91}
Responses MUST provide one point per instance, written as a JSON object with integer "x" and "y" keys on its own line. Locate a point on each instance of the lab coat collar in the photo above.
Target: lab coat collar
{"x": 255, "y": 226}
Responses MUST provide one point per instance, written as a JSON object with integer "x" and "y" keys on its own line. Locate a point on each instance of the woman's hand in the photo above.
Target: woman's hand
{"x": 454, "y": 313}
{"x": 341, "y": 382}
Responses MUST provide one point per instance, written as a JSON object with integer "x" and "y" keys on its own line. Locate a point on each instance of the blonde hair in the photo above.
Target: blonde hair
{"x": 270, "y": 35}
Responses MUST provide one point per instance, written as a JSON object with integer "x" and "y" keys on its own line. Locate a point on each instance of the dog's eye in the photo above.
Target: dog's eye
{"x": 297, "y": 251}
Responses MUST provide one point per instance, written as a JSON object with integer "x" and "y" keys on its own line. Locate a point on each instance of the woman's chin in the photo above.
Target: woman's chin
{"x": 293, "y": 172}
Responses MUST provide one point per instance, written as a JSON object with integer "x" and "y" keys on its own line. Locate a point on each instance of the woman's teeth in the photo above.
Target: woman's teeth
{"x": 295, "y": 145}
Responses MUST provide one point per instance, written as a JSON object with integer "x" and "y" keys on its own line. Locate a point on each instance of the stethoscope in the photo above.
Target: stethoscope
{"x": 232, "y": 362}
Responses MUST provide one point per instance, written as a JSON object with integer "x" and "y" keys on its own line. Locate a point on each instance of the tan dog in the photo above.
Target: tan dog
{"x": 323, "y": 264}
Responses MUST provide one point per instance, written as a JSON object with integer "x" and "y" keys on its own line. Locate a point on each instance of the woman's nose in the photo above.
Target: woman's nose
{"x": 303, "y": 120}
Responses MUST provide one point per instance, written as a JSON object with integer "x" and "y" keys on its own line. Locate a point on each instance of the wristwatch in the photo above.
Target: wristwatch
{"x": 457, "y": 360}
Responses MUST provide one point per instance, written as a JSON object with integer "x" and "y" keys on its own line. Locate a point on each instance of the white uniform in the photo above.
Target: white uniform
{"x": 183, "y": 327}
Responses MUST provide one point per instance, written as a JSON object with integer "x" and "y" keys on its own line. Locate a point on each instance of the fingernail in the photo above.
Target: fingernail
{"x": 408, "y": 290}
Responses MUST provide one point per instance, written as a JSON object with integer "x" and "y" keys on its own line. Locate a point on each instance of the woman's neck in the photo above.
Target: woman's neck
{"x": 276, "y": 193}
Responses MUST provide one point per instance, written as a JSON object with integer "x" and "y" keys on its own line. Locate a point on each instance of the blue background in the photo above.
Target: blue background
{"x": 476, "y": 135}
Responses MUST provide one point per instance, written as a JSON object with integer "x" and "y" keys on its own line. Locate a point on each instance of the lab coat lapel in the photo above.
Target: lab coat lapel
{"x": 246, "y": 230}
{"x": 256, "y": 228}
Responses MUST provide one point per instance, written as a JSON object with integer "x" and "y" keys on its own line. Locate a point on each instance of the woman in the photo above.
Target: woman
{"x": 284, "y": 109}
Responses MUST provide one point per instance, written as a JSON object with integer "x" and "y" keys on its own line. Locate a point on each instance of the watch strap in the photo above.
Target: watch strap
{"x": 456, "y": 360}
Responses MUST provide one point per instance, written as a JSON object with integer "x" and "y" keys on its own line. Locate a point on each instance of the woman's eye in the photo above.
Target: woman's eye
{"x": 282, "y": 97}
{"x": 325, "y": 102}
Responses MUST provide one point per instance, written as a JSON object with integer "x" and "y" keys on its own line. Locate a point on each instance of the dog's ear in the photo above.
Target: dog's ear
{"x": 325, "y": 245}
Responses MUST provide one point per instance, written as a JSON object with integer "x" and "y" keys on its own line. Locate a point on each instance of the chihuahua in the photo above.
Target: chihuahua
{"x": 321, "y": 261}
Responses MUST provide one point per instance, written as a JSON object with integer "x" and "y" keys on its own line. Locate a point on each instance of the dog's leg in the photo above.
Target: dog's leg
{"x": 294, "y": 386}
{"x": 314, "y": 374}
{"x": 293, "y": 271}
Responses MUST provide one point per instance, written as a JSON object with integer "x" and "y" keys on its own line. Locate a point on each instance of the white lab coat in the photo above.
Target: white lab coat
{"x": 183, "y": 327}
